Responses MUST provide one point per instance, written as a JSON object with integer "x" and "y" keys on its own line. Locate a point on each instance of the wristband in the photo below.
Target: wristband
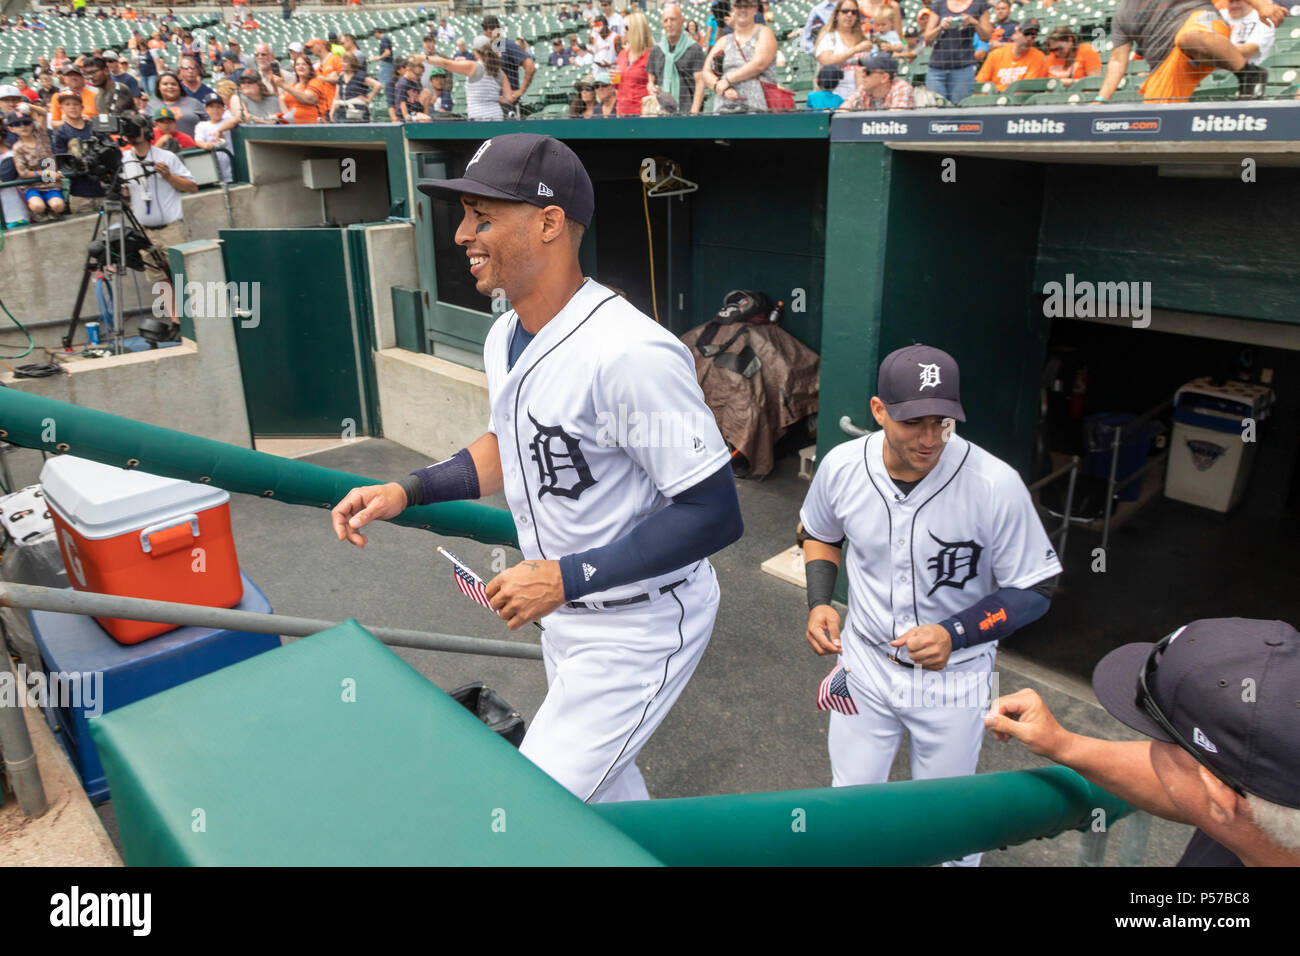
{"x": 820, "y": 575}
{"x": 454, "y": 479}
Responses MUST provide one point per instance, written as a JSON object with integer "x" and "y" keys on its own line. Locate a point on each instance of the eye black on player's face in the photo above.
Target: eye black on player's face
{"x": 491, "y": 236}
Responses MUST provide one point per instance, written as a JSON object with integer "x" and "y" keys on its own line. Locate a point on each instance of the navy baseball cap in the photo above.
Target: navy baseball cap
{"x": 524, "y": 167}
{"x": 881, "y": 61}
{"x": 920, "y": 380}
{"x": 1231, "y": 688}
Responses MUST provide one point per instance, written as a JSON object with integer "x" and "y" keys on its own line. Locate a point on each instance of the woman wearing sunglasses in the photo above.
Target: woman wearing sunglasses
{"x": 843, "y": 43}
{"x": 583, "y": 104}
{"x": 32, "y": 157}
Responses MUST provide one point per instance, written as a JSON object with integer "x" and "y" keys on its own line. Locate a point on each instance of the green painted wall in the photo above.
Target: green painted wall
{"x": 1128, "y": 224}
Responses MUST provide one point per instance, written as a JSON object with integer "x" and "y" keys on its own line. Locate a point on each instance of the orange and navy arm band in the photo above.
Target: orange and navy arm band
{"x": 999, "y": 615}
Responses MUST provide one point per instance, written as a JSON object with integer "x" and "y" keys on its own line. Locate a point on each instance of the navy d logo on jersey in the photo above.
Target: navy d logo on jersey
{"x": 955, "y": 563}
{"x": 561, "y": 468}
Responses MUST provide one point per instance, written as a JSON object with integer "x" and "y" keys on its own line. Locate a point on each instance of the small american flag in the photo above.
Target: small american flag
{"x": 470, "y": 584}
{"x": 833, "y": 694}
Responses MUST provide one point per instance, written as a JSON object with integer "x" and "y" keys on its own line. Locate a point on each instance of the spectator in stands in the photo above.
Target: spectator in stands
{"x": 1002, "y": 24}
{"x": 676, "y": 62}
{"x": 25, "y": 90}
{"x": 326, "y": 63}
{"x": 583, "y": 104}
{"x": 147, "y": 62}
{"x": 487, "y": 88}
{"x": 604, "y": 48}
{"x": 1183, "y": 42}
{"x": 156, "y": 201}
{"x": 446, "y": 32}
{"x": 229, "y": 68}
{"x": 440, "y": 99}
{"x": 243, "y": 59}
{"x": 430, "y": 42}
{"x": 111, "y": 97}
{"x": 559, "y": 55}
{"x": 308, "y": 97}
{"x": 617, "y": 24}
{"x": 384, "y": 58}
{"x": 75, "y": 81}
{"x": 170, "y": 94}
{"x": 166, "y": 135}
{"x": 254, "y": 102}
{"x": 606, "y": 100}
{"x": 349, "y": 42}
{"x": 820, "y": 16}
{"x": 514, "y": 61}
{"x": 1069, "y": 60}
{"x": 212, "y": 133}
{"x": 267, "y": 65}
{"x": 843, "y": 43}
{"x": 630, "y": 76}
{"x": 83, "y": 190}
{"x": 410, "y": 99}
{"x": 59, "y": 59}
{"x": 192, "y": 84}
{"x": 45, "y": 87}
{"x": 950, "y": 27}
{"x": 10, "y": 99}
{"x": 825, "y": 97}
{"x": 589, "y": 12}
{"x": 1019, "y": 61}
{"x": 250, "y": 23}
{"x": 213, "y": 54}
{"x": 32, "y": 156}
{"x": 747, "y": 55}
{"x": 462, "y": 51}
{"x": 355, "y": 88}
{"x": 117, "y": 69}
{"x": 887, "y": 29}
{"x": 1252, "y": 36}
{"x": 693, "y": 31}
{"x": 564, "y": 13}
{"x": 880, "y": 87}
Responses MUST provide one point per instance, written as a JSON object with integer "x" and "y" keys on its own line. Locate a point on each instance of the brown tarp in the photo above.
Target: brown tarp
{"x": 754, "y": 411}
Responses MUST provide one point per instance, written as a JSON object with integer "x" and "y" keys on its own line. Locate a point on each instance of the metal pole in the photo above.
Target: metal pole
{"x": 16, "y": 743}
{"x": 1133, "y": 847}
{"x": 30, "y": 596}
{"x": 4, "y": 466}
{"x": 1110, "y": 484}
{"x": 1092, "y": 848}
{"x": 1069, "y": 506}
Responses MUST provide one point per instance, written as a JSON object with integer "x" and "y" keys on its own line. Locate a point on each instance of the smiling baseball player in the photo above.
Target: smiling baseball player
{"x": 615, "y": 522}
{"x": 946, "y": 556}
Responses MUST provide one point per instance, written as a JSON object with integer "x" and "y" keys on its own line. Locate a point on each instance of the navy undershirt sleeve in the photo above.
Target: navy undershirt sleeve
{"x": 996, "y": 616}
{"x": 701, "y": 520}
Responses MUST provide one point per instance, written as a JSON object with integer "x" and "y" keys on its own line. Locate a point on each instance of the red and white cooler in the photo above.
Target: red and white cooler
{"x": 134, "y": 534}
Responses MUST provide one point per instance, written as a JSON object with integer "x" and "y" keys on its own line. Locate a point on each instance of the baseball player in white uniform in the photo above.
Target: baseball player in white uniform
{"x": 611, "y": 462}
{"x": 945, "y": 555}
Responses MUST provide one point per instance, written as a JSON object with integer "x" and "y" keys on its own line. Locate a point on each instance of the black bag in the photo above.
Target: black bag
{"x": 744, "y": 305}
{"x": 491, "y": 708}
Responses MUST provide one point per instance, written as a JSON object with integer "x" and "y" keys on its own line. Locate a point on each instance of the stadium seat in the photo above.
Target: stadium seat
{"x": 986, "y": 99}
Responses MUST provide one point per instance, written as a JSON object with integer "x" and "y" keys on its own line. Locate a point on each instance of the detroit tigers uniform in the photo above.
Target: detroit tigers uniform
{"x": 576, "y": 477}
{"x": 966, "y": 529}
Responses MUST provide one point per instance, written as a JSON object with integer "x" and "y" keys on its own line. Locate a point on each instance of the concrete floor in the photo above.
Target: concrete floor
{"x": 746, "y": 722}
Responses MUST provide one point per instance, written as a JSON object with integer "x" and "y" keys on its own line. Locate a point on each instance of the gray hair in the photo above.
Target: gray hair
{"x": 1281, "y": 825}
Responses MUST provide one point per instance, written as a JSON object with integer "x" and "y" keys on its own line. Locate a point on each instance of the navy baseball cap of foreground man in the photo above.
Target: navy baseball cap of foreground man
{"x": 524, "y": 167}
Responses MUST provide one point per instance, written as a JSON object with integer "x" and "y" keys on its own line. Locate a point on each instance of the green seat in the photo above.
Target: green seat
{"x": 986, "y": 99}
{"x": 331, "y": 751}
{"x": 1037, "y": 85}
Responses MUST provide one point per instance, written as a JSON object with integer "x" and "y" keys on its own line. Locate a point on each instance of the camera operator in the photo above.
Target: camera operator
{"x": 154, "y": 181}
{"x": 84, "y": 190}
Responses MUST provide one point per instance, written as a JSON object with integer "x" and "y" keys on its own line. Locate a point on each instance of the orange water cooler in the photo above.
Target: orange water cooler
{"x": 134, "y": 534}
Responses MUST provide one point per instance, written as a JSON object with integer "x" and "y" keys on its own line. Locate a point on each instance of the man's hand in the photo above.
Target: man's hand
{"x": 527, "y": 592}
{"x": 928, "y": 646}
{"x": 364, "y": 505}
{"x": 1271, "y": 13}
{"x": 823, "y": 633}
{"x": 1024, "y": 716}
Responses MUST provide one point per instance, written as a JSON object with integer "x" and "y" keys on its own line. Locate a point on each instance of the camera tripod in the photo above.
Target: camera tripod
{"x": 108, "y": 252}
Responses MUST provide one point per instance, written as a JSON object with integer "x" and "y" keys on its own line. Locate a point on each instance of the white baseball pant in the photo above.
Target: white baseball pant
{"x": 943, "y": 711}
{"x": 612, "y": 676}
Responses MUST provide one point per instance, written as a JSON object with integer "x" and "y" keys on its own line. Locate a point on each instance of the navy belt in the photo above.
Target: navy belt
{"x": 622, "y": 602}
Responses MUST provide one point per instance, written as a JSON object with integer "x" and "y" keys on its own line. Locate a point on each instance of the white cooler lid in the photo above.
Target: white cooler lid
{"x": 101, "y": 501}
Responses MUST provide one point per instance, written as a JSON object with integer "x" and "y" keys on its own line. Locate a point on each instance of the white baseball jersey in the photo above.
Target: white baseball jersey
{"x": 968, "y": 528}
{"x": 599, "y": 423}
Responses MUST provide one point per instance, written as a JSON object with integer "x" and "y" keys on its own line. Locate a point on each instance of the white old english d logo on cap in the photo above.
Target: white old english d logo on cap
{"x": 929, "y": 376}
{"x": 481, "y": 150}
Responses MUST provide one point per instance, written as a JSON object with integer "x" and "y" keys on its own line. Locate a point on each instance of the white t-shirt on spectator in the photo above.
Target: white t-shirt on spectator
{"x": 617, "y": 24}
{"x": 831, "y": 43}
{"x": 603, "y": 56}
{"x": 164, "y": 204}
{"x": 446, "y": 34}
{"x": 206, "y": 132}
{"x": 1251, "y": 29}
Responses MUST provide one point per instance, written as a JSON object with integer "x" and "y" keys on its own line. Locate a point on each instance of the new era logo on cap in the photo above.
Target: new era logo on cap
{"x": 1199, "y": 738}
{"x": 544, "y": 190}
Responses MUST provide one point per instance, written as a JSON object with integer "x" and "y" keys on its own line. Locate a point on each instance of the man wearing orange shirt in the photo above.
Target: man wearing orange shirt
{"x": 1186, "y": 39}
{"x": 1070, "y": 60}
{"x": 75, "y": 82}
{"x": 1020, "y": 60}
